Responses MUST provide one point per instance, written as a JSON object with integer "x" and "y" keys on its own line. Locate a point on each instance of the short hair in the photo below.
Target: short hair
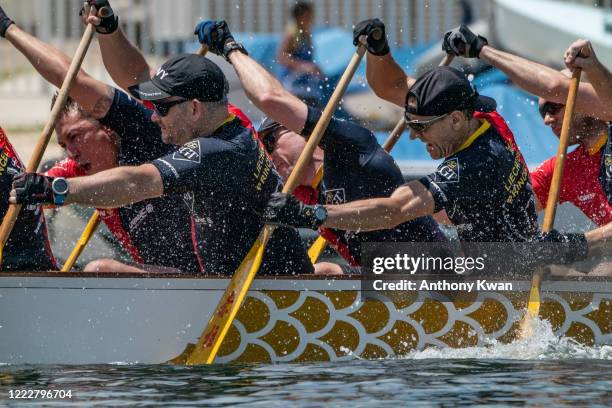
{"x": 70, "y": 106}
{"x": 300, "y": 8}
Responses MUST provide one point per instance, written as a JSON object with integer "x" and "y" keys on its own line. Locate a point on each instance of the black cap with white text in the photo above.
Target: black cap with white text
{"x": 190, "y": 76}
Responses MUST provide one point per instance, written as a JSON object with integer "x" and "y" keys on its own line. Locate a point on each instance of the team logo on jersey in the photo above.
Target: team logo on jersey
{"x": 190, "y": 152}
{"x": 140, "y": 217}
{"x": 335, "y": 196}
{"x": 449, "y": 171}
{"x": 189, "y": 200}
{"x": 4, "y": 162}
{"x": 586, "y": 197}
{"x": 608, "y": 165}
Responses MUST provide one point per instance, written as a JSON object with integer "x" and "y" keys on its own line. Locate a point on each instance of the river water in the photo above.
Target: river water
{"x": 541, "y": 371}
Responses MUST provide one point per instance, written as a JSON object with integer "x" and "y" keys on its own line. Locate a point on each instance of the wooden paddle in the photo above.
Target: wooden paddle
{"x": 13, "y": 211}
{"x": 533, "y": 308}
{"x": 316, "y": 249}
{"x": 206, "y": 349}
{"x": 89, "y": 230}
{"x": 94, "y": 220}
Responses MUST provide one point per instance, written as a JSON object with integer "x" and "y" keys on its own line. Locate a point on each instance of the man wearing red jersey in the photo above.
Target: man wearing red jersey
{"x": 587, "y": 180}
{"x": 27, "y": 248}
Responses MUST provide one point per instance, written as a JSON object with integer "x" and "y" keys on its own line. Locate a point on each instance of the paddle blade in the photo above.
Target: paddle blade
{"x": 210, "y": 341}
{"x": 533, "y": 306}
{"x": 314, "y": 252}
{"x": 181, "y": 359}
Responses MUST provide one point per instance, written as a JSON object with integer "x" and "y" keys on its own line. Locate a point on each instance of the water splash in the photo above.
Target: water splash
{"x": 543, "y": 345}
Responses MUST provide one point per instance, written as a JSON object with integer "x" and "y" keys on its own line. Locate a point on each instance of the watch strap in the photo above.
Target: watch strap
{"x": 232, "y": 46}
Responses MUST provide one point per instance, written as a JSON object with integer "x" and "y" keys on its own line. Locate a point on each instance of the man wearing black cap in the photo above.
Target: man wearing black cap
{"x": 220, "y": 168}
{"x": 101, "y": 127}
{"x": 355, "y": 165}
{"x": 483, "y": 183}
{"x": 587, "y": 175}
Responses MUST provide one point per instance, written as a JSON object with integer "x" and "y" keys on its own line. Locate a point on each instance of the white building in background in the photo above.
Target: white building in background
{"x": 161, "y": 27}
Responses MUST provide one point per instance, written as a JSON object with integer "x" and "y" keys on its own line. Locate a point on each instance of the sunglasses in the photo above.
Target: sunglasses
{"x": 422, "y": 125}
{"x": 549, "y": 107}
{"x": 163, "y": 108}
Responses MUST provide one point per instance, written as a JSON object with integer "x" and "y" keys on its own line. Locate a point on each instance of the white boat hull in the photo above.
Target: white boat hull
{"x": 83, "y": 320}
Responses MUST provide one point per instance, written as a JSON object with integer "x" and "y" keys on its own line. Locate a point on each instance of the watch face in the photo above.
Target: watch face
{"x": 320, "y": 213}
{"x": 60, "y": 186}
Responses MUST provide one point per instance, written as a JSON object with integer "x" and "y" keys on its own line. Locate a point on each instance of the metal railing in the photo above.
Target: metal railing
{"x": 160, "y": 27}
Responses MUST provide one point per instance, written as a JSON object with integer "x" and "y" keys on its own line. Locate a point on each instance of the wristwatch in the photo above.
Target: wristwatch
{"x": 59, "y": 186}
{"x": 320, "y": 214}
{"x": 231, "y": 46}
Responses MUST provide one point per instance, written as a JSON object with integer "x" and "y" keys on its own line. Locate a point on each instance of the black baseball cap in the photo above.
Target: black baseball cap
{"x": 443, "y": 90}
{"x": 190, "y": 76}
{"x": 267, "y": 125}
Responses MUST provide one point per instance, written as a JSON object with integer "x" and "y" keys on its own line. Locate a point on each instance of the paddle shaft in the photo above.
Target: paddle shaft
{"x": 213, "y": 335}
{"x": 533, "y": 307}
{"x": 13, "y": 211}
{"x": 89, "y": 230}
{"x": 202, "y": 50}
{"x": 555, "y": 184}
{"x": 315, "y": 250}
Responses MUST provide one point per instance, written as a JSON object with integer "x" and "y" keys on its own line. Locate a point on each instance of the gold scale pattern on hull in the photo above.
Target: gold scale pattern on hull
{"x": 296, "y": 326}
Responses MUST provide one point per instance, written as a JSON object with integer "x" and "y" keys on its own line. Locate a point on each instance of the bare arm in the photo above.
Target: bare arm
{"x": 116, "y": 187}
{"x": 408, "y": 202}
{"x": 94, "y": 96}
{"x": 599, "y": 75}
{"x": 545, "y": 82}
{"x": 268, "y": 94}
{"x": 123, "y": 61}
{"x": 387, "y": 79}
{"x": 600, "y": 240}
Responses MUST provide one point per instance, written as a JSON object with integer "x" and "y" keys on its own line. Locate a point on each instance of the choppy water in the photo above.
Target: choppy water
{"x": 542, "y": 371}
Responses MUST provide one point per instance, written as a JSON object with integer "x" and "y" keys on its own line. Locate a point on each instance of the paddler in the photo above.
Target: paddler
{"x": 27, "y": 248}
{"x": 587, "y": 177}
{"x": 101, "y": 127}
{"x": 482, "y": 185}
{"x": 355, "y": 165}
{"x": 220, "y": 166}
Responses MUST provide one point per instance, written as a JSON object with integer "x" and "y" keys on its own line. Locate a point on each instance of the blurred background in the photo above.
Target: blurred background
{"x": 537, "y": 29}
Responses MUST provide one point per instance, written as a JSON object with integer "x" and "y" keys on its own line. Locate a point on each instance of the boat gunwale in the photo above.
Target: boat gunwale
{"x": 356, "y": 277}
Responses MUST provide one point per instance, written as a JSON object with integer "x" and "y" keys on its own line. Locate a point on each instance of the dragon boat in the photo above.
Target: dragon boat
{"x": 76, "y": 318}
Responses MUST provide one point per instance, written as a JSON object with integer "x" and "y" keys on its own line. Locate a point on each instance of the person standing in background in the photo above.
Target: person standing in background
{"x": 299, "y": 73}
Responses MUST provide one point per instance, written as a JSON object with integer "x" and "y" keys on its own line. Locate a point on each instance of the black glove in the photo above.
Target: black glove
{"x": 214, "y": 34}
{"x": 368, "y": 27}
{"x": 284, "y": 209}
{"x": 554, "y": 248}
{"x": 109, "y": 22}
{"x": 5, "y": 22}
{"x": 32, "y": 188}
{"x": 463, "y": 42}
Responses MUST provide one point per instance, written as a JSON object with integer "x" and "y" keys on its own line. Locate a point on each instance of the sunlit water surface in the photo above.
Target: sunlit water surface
{"x": 543, "y": 370}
